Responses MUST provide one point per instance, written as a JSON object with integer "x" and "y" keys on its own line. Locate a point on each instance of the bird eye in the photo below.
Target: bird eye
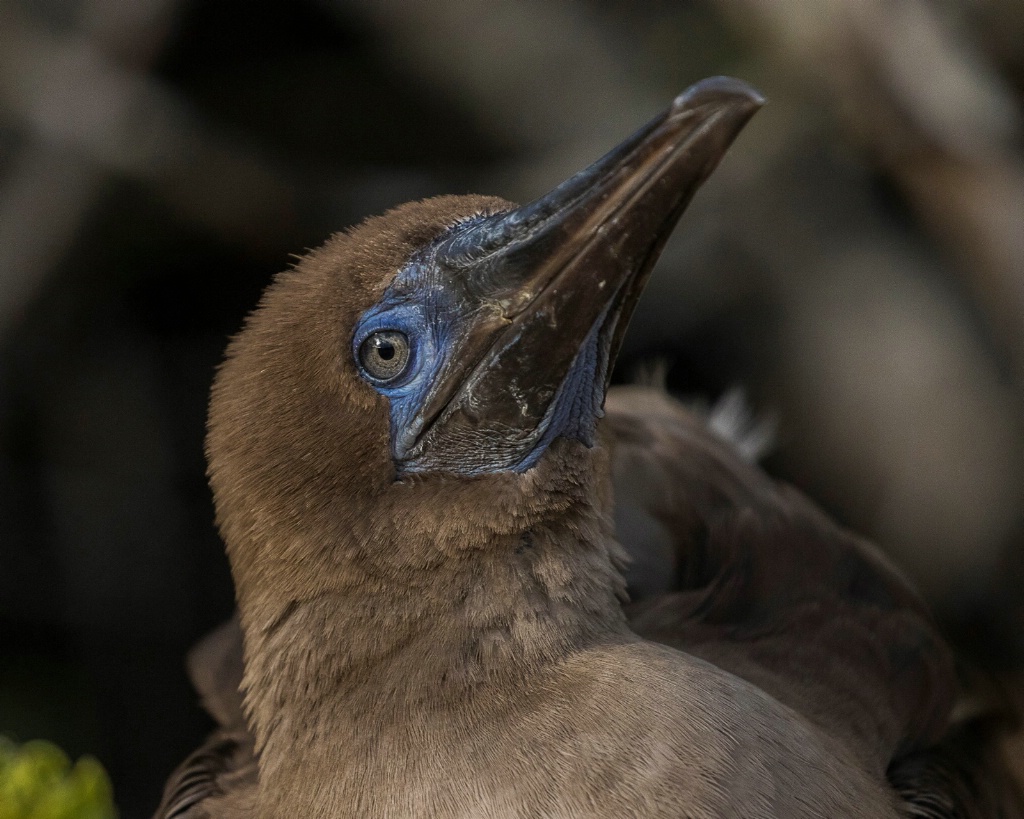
{"x": 384, "y": 355}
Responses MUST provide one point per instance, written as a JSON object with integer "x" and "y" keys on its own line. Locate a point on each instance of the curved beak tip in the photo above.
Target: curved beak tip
{"x": 719, "y": 92}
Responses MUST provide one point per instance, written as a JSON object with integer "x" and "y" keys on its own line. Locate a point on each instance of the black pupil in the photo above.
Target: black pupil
{"x": 386, "y": 350}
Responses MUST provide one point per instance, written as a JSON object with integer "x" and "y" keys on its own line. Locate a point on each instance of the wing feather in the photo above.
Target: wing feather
{"x": 749, "y": 575}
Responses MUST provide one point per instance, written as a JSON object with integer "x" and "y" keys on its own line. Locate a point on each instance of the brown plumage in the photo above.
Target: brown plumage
{"x": 419, "y": 642}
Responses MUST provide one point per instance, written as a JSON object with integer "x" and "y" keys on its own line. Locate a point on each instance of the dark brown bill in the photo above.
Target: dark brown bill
{"x": 555, "y": 283}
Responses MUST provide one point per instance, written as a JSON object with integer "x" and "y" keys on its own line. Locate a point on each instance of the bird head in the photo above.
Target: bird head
{"x": 445, "y": 364}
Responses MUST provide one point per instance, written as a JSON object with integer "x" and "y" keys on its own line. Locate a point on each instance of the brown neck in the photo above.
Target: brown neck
{"x": 390, "y": 642}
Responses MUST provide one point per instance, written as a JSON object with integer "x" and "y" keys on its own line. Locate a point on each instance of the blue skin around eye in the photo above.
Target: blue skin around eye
{"x": 407, "y": 393}
{"x": 429, "y": 316}
{"x": 418, "y": 306}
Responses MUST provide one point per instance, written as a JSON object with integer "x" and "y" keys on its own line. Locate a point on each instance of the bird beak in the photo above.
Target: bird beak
{"x": 554, "y": 283}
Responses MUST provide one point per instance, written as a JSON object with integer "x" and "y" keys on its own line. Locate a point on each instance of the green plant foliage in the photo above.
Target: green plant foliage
{"x": 38, "y": 781}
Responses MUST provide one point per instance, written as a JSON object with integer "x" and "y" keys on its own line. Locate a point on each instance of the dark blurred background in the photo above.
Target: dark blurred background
{"x": 857, "y": 264}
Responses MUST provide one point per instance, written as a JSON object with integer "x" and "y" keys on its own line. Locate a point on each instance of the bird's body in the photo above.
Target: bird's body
{"x": 765, "y": 699}
{"x": 427, "y": 524}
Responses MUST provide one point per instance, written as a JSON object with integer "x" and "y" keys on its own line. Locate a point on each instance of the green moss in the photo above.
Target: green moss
{"x": 38, "y": 781}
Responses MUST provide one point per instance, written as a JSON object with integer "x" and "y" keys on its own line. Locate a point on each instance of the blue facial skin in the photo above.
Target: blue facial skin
{"x": 430, "y": 323}
{"x": 433, "y": 319}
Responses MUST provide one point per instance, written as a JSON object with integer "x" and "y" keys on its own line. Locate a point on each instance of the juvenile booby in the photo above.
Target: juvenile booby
{"x": 417, "y": 474}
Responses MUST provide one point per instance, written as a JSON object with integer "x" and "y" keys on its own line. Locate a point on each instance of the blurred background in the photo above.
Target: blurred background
{"x": 856, "y": 263}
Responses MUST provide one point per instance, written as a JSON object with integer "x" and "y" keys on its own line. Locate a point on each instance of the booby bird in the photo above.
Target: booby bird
{"x": 428, "y": 501}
